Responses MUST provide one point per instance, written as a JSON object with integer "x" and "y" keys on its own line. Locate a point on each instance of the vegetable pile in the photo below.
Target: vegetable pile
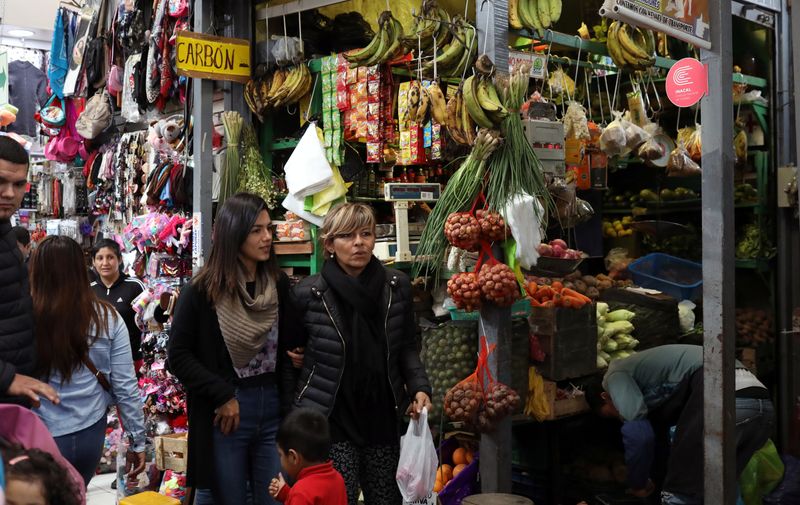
{"x": 588, "y": 285}
{"x": 558, "y": 249}
{"x": 498, "y": 284}
{"x": 465, "y": 291}
{"x": 555, "y": 295}
{"x": 753, "y": 327}
{"x": 614, "y": 335}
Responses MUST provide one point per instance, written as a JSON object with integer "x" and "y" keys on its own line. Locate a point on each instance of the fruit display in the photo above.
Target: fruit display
{"x": 649, "y": 197}
{"x": 465, "y": 290}
{"x": 558, "y": 249}
{"x": 618, "y": 227}
{"x": 745, "y": 193}
{"x": 614, "y": 335}
{"x": 463, "y": 231}
{"x": 449, "y": 353}
{"x": 482, "y": 102}
{"x": 385, "y": 46}
{"x": 753, "y": 243}
{"x": 753, "y": 327}
{"x": 555, "y": 295}
{"x": 455, "y": 58}
{"x": 631, "y": 47}
{"x": 278, "y": 88}
{"x": 493, "y": 226}
{"x": 498, "y": 284}
{"x": 459, "y": 123}
{"x": 535, "y": 15}
{"x": 446, "y": 472}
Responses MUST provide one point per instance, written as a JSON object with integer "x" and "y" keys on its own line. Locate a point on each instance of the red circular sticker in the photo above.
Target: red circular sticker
{"x": 687, "y": 82}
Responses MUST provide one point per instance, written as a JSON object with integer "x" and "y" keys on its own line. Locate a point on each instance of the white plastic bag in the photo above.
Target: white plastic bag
{"x": 524, "y": 214}
{"x": 416, "y": 470}
{"x": 308, "y": 170}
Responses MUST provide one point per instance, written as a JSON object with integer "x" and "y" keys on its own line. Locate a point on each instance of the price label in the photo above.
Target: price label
{"x": 426, "y": 195}
{"x": 537, "y": 63}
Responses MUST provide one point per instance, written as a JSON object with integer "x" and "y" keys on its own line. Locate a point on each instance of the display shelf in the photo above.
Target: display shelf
{"x": 589, "y": 46}
{"x": 761, "y": 265}
{"x": 284, "y": 144}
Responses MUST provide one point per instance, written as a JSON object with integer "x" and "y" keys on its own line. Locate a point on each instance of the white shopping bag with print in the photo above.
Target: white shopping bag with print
{"x": 416, "y": 470}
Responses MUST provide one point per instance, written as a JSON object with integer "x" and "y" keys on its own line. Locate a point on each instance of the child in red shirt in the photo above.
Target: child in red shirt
{"x": 303, "y": 444}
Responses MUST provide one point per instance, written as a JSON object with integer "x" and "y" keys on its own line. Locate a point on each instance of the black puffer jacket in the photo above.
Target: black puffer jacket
{"x": 17, "y": 350}
{"x": 324, "y": 360}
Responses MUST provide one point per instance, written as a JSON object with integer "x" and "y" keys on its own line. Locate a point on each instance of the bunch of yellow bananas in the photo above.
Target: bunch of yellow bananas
{"x": 631, "y": 47}
{"x": 279, "y": 88}
{"x": 535, "y": 15}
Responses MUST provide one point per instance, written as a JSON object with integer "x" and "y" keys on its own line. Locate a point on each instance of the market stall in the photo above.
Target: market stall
{"x": 556, "y": 205}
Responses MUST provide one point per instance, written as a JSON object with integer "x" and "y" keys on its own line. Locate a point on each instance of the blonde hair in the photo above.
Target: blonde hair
{"x": 346, "y": 218}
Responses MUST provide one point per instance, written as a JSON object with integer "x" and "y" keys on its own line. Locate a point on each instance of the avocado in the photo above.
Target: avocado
{"x": 667, "y": 195}
{"x": 648, "y": 195}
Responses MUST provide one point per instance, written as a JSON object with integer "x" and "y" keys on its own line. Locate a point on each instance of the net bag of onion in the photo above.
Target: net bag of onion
{"x": 498, "y": 283}
{"x": 479, "y": 401}
{"x": 465, "y": 291}
{"x": 493, "y": 226}
{"x": 463, "y": 231}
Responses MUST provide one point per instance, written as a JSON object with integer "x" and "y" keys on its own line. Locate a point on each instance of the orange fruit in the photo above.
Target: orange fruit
{"x": 438, "y": 486}
{"x": 470, "y": 457}
{"x": 458, "y": 469}
{"x": 460, "y": 456}
{"x": 445, "y": 473}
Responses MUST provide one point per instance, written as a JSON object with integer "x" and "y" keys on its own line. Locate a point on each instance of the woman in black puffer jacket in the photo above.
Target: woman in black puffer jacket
{"x": 361, "y": 365}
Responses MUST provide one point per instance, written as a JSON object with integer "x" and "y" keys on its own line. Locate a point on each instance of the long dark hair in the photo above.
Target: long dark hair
{"x": 64, "y": 306}
{"x": 235, "y": 219}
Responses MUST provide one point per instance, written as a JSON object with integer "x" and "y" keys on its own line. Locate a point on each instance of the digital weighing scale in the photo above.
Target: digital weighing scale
{"x": 401, "y": 195}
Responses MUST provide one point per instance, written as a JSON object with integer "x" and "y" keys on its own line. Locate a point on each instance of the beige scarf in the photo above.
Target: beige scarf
{"x": 245, "y": 322}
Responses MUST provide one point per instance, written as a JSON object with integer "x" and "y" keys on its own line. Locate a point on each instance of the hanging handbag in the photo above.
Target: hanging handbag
{"x": 51, "y": 115}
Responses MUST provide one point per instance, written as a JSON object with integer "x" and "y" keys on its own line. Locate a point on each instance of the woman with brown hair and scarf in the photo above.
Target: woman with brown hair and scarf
{"x": 230, "y": 330}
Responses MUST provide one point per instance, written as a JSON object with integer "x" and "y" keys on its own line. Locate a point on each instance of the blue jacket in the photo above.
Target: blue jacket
{"x": 83, "y": 399}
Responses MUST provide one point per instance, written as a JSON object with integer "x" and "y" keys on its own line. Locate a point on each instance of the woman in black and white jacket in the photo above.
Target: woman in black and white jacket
{"x": 361, "y": 366}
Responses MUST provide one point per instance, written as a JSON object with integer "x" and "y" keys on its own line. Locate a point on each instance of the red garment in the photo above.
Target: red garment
{"x": 316, "y": 485}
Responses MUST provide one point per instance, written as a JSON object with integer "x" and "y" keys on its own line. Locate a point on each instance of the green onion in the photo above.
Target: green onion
{"x": 515, "y": 168}
{"x": 458, "y": 195}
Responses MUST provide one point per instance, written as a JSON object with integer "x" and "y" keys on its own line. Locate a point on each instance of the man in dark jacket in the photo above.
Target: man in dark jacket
{"x": 17, "y": 347}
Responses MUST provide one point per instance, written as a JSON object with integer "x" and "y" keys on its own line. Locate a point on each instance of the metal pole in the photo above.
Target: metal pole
{"x": 495, "y": 323}
{"x": 202, "y": 97}
{"x": 239, "y": 24}
{"x": 718, "y": 263}
{"x": 781, "y": 106}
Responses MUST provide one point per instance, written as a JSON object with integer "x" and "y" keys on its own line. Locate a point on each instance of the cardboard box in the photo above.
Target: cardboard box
{"x": 566, "y": 407}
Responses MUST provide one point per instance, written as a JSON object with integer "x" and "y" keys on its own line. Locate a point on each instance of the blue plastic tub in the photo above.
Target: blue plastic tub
{"x": 679, "y": 278}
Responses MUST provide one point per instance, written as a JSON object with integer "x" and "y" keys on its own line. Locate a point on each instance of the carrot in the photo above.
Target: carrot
{"x": 544, "y": 293}
{"x": 532, "y": 287}
{"x": 535, "y": 303}
{"x": 557, "y": 286}
{"x": 549, "y": 304}
{"x": 573, "y": 293}
{"x": 573, "y": 302}
{"x": 557, "y": 299}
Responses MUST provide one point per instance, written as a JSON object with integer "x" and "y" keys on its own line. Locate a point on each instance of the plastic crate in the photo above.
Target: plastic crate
{"x": 679, "y": 278}
{"x": 521, "y": 308}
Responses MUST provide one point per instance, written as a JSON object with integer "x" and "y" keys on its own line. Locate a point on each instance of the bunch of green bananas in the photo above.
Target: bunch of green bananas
{"x": 431, "y": 25}
{"x": 278, "y": 88}
{"x": 457, "y": 56}
{"x": 384, "y": 46}
{"x": 535, "y": 15}
{"x": 482, "y": 102}
{"x": 631, "y": 47}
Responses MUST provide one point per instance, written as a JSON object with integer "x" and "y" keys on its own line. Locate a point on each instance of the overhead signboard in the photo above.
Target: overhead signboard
{"x": 209, "y": 57}
{"x": 686, "y": 20}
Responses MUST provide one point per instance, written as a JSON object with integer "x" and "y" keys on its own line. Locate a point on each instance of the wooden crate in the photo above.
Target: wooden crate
{"x": 563, "y": 408}
{"x": 568, "y": 338}
{"x": 172, "y": 452}
{"x": 283, "y": 248}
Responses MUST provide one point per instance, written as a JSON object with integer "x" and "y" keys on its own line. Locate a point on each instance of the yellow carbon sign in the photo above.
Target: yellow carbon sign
{"x": 210, "y": 57}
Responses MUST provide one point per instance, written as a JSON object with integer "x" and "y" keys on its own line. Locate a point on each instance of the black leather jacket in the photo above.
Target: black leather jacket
{"x": 325, "y": 347}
